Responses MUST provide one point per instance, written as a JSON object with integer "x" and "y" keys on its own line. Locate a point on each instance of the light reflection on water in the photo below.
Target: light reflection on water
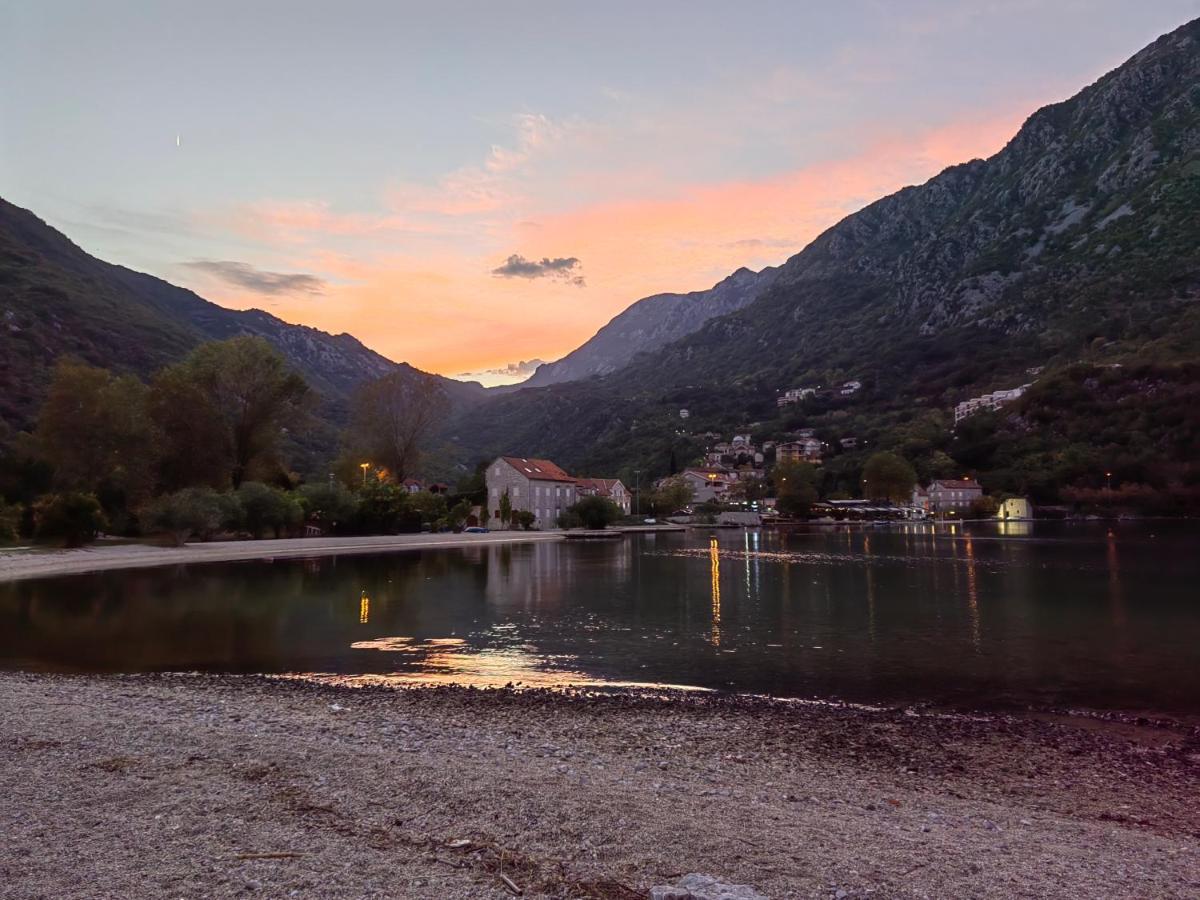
{"x": 973, "y": 616}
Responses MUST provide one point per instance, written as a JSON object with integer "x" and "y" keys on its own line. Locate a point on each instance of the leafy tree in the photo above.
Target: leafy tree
{"x": 888, "y": 476}
{"x": 392, "y": 418}
{"x": 331, "y": 506}
{"x": 674, "y": 494}
{"x": 239, "y": 398}
{"x": 10, "y": 522}
{"x": 382, "y": 508}
{"x": 597, "y": 512}
{"x": 428, "y": 507}
{"x": 524, "y": 519}
{"x": 458, "y": 513}
{"x": 266, "y": 507}
{"x": 984, "y": 507}
{"x": 795, "y": 487}
{"x": 95, "y": 432}
{"x": 506, "y": 508}
{"x": 73, "y": 517}
{"x": 197, "y": 511}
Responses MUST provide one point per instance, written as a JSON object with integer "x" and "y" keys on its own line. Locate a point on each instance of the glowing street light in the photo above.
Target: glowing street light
{"x": 364, "y": 467}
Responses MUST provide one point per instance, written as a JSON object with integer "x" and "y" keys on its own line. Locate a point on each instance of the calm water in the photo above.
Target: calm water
{"x": 1079, "y": 615}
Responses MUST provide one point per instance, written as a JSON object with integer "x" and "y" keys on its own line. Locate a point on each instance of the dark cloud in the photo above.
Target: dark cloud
{"x": 563, "y": 268}
{"x": 261, "y": 282}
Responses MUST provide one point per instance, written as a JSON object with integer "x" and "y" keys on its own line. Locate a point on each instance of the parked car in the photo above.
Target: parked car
{"x": 476, "y": 529}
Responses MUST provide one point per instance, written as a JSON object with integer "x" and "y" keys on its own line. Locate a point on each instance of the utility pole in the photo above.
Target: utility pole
{"x": 637, "y": 492}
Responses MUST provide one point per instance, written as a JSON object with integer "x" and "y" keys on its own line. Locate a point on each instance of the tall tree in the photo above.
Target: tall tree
{"x": 795, "y": 487}
{"x": 95, "y": 432}
{"x": 229, "y": 402}
{"x": 392, "y": 419}
{"x": 888, "y": 476}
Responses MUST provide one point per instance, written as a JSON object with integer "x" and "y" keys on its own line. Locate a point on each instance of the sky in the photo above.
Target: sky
{"x": 476, "y": 187}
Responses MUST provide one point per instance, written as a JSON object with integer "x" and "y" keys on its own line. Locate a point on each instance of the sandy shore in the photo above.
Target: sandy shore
{"x": 39, "y": 563}
{"x": 195, "y": 786}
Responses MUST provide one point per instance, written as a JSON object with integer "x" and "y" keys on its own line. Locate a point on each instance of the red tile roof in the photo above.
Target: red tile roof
{"x": 603, "y": 486}
{"x": 956, "y": 484}
{"x": 537, "y": 469}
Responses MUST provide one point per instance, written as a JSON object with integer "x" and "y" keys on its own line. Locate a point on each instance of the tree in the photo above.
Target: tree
{"x": 381, "y": 507}
{"x": 428, "y": 507}
{"x": 330, "y": 505}
{"x": 524, "y": 519}
{"x": 672, "y": 495}
{"x": 73, "y": 517}
{"x": 392, "y": 418}
{"x": 888, "y": 476}
{"x": 984, "y": 507}
{"x": 596, "y": 512}
{"x": 266, "y": 507}
{"x": 236, "y": 398}
{"x": 197, "y": 511}
{"x": 10, "y": 522}
{"x": 506, "y": 508}
{"x": 795, "y": 487}
{"x": 95, "y": 432}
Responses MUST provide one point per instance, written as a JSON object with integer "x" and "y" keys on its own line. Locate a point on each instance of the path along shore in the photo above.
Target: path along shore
{"x": 40, "y": 563}
{"x": 227, "y": 786}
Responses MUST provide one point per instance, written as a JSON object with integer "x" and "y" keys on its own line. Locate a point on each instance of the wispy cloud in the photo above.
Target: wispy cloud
{"x": 562, "y": 268}
{"x": 516, "y": 371}
{"x": 259, "y": 281}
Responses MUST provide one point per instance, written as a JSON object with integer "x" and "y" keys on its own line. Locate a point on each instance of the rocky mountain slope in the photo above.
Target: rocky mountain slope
{"x": 650, "y": 323}
{"x": 1080, "y": 240}
{"x": 55, "y": 299}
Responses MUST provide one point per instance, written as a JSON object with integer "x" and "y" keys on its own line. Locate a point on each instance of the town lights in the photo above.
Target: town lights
{"x": 364, "y": 467}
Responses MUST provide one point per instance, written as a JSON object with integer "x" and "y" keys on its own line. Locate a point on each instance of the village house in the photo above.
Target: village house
{"x": 536, "y": 485}
{"x": 994, "y": 400}
{"x": 608, "y": 488}
{"x": 947, "y": 496}
{"x": 807, "y": 449}
{"x": 795, "y": 395}
{"x": 1015, "y": 508}
{"x": 708, "y": 484}
{"x": 850, "y": 387}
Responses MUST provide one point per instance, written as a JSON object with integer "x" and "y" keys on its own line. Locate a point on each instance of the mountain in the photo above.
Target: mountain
{"x": 55, "y": 300}
{"x": 1078, "y": 241}
{"x": 649, "y": 324}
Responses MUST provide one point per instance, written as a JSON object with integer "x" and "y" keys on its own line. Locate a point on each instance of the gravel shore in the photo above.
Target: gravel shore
{"x": 39, "y": 563}
{"x": 225, "y": 786}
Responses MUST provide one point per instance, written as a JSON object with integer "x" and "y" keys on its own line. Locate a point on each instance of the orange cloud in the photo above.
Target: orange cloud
{"x": 439, "y": 308}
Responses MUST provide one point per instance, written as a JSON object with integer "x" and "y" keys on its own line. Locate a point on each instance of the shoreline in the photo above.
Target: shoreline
{"x": 188, "y": 785}
{"x": 16, "y": 565}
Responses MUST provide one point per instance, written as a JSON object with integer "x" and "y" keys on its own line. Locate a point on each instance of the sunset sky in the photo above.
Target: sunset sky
{"x": 471, "y": 186}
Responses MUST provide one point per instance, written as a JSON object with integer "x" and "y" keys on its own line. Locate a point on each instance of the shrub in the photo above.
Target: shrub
{"x": 10, "y": 522}
{"x": 331, "y": 505}
{"x": 524, "y": 519}
{"x": 73, "y": 518}
{"x": 266, "y": 507}
{"x": 192, "y": 511}
{"x": 596, "y": 512}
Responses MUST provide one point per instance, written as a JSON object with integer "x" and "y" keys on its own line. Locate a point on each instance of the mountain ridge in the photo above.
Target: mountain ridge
{"x": 56, "y": 299}
{"x": 1076, "y": 240}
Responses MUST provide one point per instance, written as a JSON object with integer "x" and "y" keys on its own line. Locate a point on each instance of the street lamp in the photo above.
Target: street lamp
{"x": 364, "y": 467}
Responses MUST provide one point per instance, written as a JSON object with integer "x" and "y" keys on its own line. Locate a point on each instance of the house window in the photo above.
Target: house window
{"x": 516, "y": 492}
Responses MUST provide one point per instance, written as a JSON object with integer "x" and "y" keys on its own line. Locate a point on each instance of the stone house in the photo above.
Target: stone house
{"x": 953, "y": 495}
{"x": 536, "y": 485}
{"x": 608, "y": 488}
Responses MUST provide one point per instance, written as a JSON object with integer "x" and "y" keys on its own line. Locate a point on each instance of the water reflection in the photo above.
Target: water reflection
{"x": 905, "y": 614}
{"x": 714, "y": 555}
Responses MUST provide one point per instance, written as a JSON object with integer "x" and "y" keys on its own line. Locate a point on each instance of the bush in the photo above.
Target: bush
{"x": 332, "y": 506}
{"x": 524, "y": 519}
{"x": 596, "y": 512}
{"x": 984, "y": 507}
{"x": 73, "y": 518}
{"x": 10, "y": 522}
{"x": 266, "y": 507}
{"x": 192, "y": 511}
